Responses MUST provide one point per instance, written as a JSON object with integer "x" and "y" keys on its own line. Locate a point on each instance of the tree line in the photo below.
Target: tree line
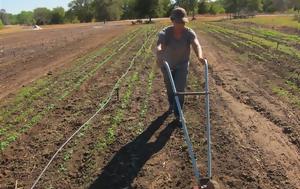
{"x": 101, "y": 10}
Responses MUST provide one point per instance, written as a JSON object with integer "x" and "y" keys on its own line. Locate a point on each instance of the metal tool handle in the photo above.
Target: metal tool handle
{"x": 207, "y": 112}
{"x": 199, "y": 178}
{"x": 185, "y": 131}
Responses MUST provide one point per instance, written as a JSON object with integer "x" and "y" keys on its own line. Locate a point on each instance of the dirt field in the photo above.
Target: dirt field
{"x": 27, "y": 54}
{"x": 133, "y": 142}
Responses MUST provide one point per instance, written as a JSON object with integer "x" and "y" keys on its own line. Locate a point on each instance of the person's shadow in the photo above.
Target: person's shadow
{"x": 128, "y": 161}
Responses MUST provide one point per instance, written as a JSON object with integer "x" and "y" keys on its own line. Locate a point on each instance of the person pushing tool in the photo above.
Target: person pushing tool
{"x": 173, "y": 54}
{"x": 173, "y": 46}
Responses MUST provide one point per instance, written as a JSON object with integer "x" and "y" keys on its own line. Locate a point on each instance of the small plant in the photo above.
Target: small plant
{"x": 67, "y": 155}
{"x": 3, "y": 145}
{"x": 62, "y": 168}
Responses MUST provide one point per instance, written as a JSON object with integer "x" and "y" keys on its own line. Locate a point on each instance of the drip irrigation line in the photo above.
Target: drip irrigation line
{"x": 102, "y": 106}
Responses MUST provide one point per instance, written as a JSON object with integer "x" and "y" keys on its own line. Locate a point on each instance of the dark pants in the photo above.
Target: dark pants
{"x": 180, "y": 74}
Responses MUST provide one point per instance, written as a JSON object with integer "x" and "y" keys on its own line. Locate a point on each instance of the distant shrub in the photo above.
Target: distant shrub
{"x": 1, "y": 24}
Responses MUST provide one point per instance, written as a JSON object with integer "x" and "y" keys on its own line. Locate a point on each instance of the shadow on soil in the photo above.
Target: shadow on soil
{"x": 129, "y": 160}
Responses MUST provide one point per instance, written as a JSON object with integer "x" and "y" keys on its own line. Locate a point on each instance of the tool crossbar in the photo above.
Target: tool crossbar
{"x": 190, "y": 93}
{"x": 187, "y": 139}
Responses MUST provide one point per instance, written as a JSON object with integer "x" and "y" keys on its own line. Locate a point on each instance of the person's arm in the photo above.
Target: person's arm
{"x": 198, "y": 50}
{"x": 159, "y": 53}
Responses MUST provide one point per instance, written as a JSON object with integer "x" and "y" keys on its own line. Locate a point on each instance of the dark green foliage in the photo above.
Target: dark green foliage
{"x": 147, "y": 8}
{"x": 296, "y": 5}
{"x": 25, "y": 17}
{"x": 70, "y": 17}
{"x": 203, "y": 7}
{"x": 242, "y": 6}
{"x": 216, "y": 8}
{"x": 165, "y": 8}
{"x": 58, "y": 15}
{"x": 87, "y": 10}
{"x": 254, "y": 5}
{"x": 4, "y": 17}
{"x": 13, "y": 19}
{"x": 42, "y": 16}
{"x": 128, "y": 7}
{"x": 189, "y": 5}
{"x": 268, "y": 6}
{"x": 108, "y": 9}
{"x": 82, "y": 9}
{"x": 280, "y": 5}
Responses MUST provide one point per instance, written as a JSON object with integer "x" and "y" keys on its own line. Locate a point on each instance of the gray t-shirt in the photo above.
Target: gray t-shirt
{"x": 177, "y": 52}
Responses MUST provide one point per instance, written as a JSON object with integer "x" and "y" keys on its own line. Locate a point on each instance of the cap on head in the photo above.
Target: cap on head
{"x": 179, "y": 15}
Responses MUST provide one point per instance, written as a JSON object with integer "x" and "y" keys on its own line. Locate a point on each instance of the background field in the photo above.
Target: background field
{"x": 54, "y": 80}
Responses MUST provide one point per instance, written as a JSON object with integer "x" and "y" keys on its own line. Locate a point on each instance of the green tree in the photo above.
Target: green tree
{"x": 82, "y": 9}
{"x": 42, "y": 15}
{"x": 231, "y": 6}
{"x": 171, "y": 7}
{"x": 108, "y": 9}
{"x": 12, "y": 19}
{"x": 25, "y": 17}
{"x": 182, "y": 3}
{"x": 147, "y": 8}
{"x": 58, "y": 15}
{"x": 254, "y": 5}
{"x": 268, "y": 6}
{"x": 189, "y": 5}
{"x": 280, "y": 5}
{"x": 216, "y": 8}
{"x": 203, "y": 7}
{"x": 164, "y": 7}
{"x": 295, "y": 4}
{"x": 4, "y": 17}
{"x": 128, "y": 7}
{"x": 70, "y": 16}
{"x": 192, "y": 7}
{"x": 237, "y": 6}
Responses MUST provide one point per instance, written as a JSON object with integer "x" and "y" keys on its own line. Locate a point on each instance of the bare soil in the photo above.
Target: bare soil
{"x": 27, "y": 55}
{"x": 251, "y": 129}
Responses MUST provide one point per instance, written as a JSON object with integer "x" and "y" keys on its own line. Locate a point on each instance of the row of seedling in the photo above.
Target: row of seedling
{"x": 105, "y": 141}
{"x": 42, "y": 86}
{"x": 110, "y": 133}
{"x": 29, "y": 119}
{"x": 260, "y": 41}
{"x": 45, "y": 87}
{"x": 109, "y": 137}
{"x": 289, "y": 91}
{"x": 268, "y": 34}
{"x": 239, "y": 40}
